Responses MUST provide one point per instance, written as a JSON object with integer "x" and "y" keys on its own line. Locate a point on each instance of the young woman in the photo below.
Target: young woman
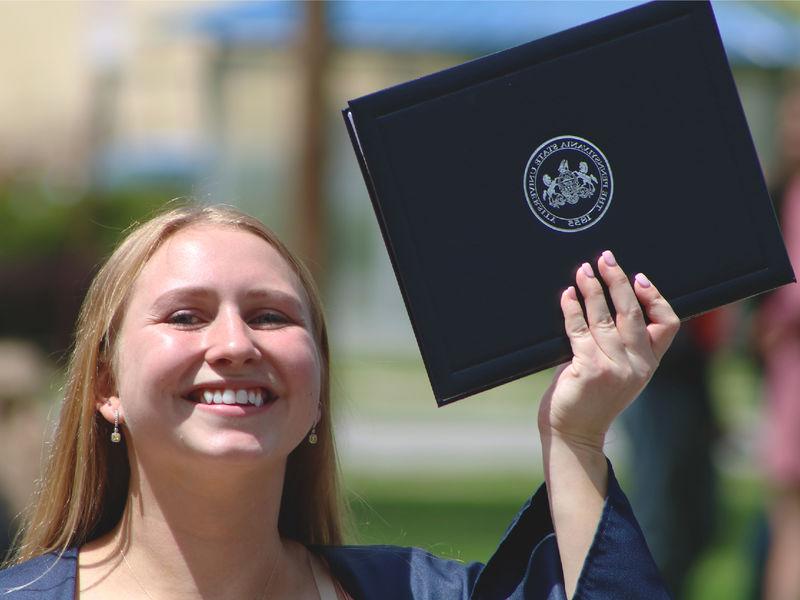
{"x": 194, "y": 457}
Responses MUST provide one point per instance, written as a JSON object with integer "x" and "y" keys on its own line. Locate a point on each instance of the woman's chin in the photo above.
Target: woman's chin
{"x": 236, "y": 451}
{"x": 196, "y": 446}
{"x": 231, "y": 448}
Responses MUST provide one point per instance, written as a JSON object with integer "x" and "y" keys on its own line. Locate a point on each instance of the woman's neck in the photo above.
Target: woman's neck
{"x": 206, "y": 504}
{"x": 185, "y": 531}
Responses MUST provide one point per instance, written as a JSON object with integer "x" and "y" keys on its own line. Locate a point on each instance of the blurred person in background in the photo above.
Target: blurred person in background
{"x": 777, "y": 335}
{"x": 672, "y": 430}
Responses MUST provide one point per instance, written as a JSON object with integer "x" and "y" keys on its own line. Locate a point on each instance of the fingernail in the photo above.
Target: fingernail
{"x": 642, "y": 280}
{"x": 587, "y": 270}
{"x": 609, "y": 259}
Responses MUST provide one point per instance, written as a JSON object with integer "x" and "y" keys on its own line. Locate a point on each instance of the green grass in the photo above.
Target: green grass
{"x": 455, "y": 518}
{"x": 466, "y": 531}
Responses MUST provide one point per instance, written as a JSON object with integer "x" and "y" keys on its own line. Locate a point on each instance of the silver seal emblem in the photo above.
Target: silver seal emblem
{"x": 568, "y": 183}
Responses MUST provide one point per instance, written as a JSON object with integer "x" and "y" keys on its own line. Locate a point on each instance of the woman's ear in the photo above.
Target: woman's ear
{"x": 108, "y": 408}
{"x": 107, "y": 400}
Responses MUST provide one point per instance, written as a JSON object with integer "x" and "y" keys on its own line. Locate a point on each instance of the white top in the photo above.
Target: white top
{"x": 323, "y": 580}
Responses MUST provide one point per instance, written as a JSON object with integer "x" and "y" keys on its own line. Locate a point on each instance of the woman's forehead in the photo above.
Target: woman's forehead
{"x": 218, "y": 255}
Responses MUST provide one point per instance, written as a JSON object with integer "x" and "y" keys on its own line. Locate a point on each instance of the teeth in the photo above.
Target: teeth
{"x": 230, "y": 396}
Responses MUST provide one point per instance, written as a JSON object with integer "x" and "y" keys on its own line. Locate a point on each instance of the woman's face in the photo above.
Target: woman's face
{"x": 216, "y": 352}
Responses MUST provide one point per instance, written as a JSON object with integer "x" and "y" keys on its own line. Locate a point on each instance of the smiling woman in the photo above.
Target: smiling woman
{"x": 194, "y": 456}
{"x": 166, "y": 319}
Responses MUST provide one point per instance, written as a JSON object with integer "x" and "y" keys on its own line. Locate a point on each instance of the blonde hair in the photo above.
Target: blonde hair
{"x": 84, "y": 486}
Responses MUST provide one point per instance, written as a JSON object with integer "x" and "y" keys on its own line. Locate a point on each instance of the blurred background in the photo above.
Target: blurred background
{"x": 109, "y": 109}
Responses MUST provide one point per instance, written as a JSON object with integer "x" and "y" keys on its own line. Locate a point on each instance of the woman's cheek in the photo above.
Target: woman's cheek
{"x": 304, "y": 364}
{"x": 151, "y": 360}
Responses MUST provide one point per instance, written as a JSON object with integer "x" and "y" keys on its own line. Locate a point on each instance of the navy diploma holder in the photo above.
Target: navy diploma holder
{"x": 492, "y": 181}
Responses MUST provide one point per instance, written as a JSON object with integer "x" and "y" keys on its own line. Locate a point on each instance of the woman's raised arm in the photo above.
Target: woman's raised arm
{"x": 612, "y": 361}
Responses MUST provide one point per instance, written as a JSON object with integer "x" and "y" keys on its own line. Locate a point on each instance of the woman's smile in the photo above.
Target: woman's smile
{"x": 232, "y": 399}
{"x": 252, "y": 397}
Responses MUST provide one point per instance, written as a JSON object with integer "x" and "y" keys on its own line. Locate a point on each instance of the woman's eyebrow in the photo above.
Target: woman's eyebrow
{"x": 183, "y": 293}
{"x": 275, "y": 295}
{"x": 178, "y": 294}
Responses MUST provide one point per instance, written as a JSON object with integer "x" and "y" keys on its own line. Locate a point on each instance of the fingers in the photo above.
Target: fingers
{"x": 598, "y": 317}
{"x": 629, "y": 320}
{"x": 629, "y": 338}
{"x": 580, "y": 338}
{"x": 664, "y": 323}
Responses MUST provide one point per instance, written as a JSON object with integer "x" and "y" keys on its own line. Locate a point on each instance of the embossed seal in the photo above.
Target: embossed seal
{"x": 568, "y": 183}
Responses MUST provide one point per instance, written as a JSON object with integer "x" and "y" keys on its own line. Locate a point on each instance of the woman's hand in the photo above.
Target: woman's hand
{"x": 612, "y": 360}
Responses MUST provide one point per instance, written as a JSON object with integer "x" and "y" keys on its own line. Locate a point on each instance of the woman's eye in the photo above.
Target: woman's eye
{"x": 270, "y": 318}
{"x": 183, "y": 318}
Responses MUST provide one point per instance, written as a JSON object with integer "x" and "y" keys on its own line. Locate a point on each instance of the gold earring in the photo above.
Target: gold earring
{"x": 312, "y": 437}
{"x": 116, "y": 436}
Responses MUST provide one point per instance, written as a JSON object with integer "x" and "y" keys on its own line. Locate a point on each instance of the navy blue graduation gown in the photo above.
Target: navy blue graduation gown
{"x": 526, "y": 565}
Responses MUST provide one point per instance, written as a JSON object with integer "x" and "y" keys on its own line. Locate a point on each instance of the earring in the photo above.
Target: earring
{"x": 116, "y": 436}
{"x": 312, "y": 437}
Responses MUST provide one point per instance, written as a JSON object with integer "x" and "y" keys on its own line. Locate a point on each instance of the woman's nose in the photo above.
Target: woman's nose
{"x": 230, "y": 341}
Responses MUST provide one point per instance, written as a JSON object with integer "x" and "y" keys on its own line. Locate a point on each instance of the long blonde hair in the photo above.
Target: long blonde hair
{"x": 84, "y": 485}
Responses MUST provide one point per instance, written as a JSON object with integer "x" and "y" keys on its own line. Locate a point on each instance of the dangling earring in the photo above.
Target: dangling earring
{"x": 312, "y": 437}
{"x": 116, "y": 436}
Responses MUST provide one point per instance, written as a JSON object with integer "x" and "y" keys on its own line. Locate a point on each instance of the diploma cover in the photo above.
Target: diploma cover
{"x": 492, "y": 181}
